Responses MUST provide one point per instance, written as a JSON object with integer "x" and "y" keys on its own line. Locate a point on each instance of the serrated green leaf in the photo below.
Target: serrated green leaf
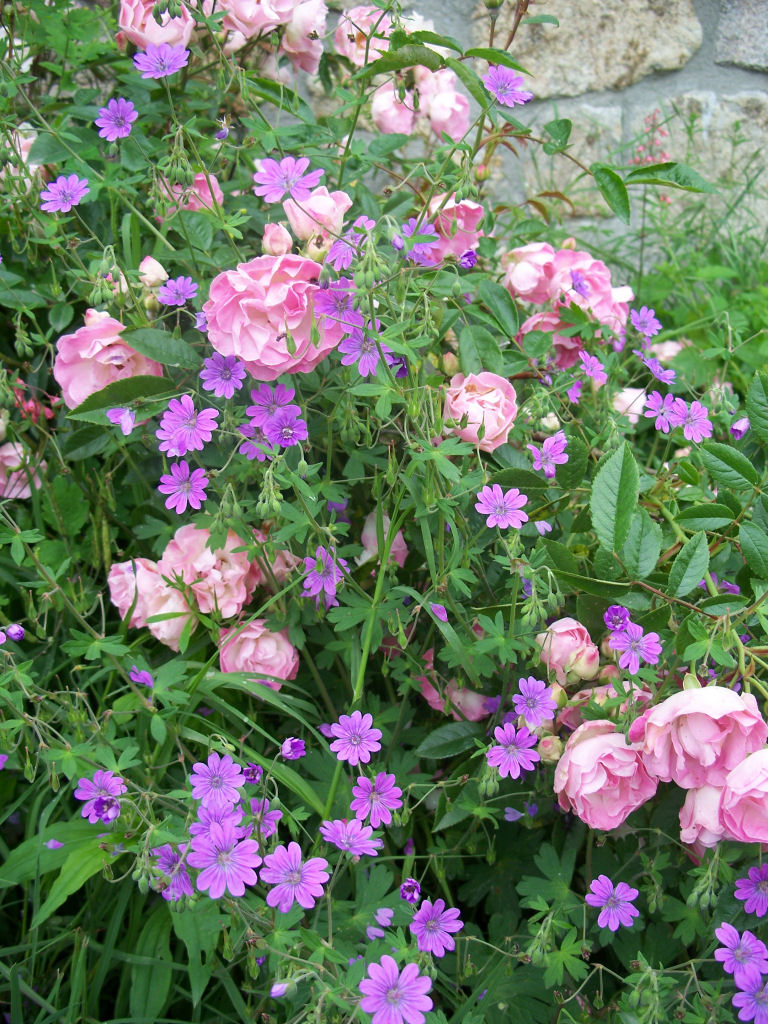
{"x": 643, "y": 545}
{"x": 689, "y": 566}
{"x": 501, "y": 305}
{"x": 705, "y": 517}
{"x": 754, "y": 548}
{"x": 757, "y": 405}
{"x": 612, "y": 189}
{"x": 449, "y": 739}
{"x": 162, "y": 347}
{"x": 728, "y": 466}
{"x": 478, "y": 351}
{"x": 614, "y": 498}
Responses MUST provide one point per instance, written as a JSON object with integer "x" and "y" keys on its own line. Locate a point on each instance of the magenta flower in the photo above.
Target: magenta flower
{"x": 223, "y": 375}
{"x": 99, "y": 794}
{"x": 294, "y": 881}
{"x": 739, "y": 427}
{"x": 137, "y": 675}
{"x": 664, "y": 376}
{"x": 252, "y": 773}
{"x": 352, "y": 836}
{"x": 534, "y": 702}
{"x": 15, "y": 632}
{"x": 183, "y": 429}
{"x": 256, "y": 444}
{"x": 468, "y": 259}
{"x": 744, "y": 956}
{"x": 616, "y": 902}
{"x": 264, "y": 820}
{"x": 115, "y": 120}
{"x": 695, "y": 420}
{"x": 616, "y": 617}
{"x": 361, "y": 347}
{"x": 356, "y": 739}
{"x": 183, "y": 487}
{"x": 579, "y": 283}
{"x": 425, "y": 240}
{"x": 324, "y": 572}
{"x": 292, "y": 749}
{"x": 53, "y": 844}
{"x": 664, "y": 411}
{"x": 336, "y": 301}
{"x": 644, "y": 321}
{"x": 218, "y": 815}
{"x": 635, "y": 646}
{"x": 593, "y": 368}
{"x": 574, "y": 392}
{"x": 227, "y": 862}
{"x": 393, "y": 996}
{"x": 753, "y": 1001}
{"x": 216, "y": 783}
{"x": 64, "y": 193}
{"x": 274, "y": 180}
{"x": 512, "y": 754}
{"x": 377, "y": 799}
{"x": 410, "y": 891}
{"x": 161, "y": 61}
{"x": 505, "y": 85}
{"x": 124, "y": 418}
{"x": 503, "y": 508}
{"x": 344, "y": 249}
{"x": 171, "y": 863}
{"x": 432, "y": 925}
{"x": 551, "y": 453}
{"x": 286, "y": 428}
{"x": 268, "y": 401}
{"x": 754, "y": 890}
{"x": 177, "y": 291}
{"x": 439, "y": 611}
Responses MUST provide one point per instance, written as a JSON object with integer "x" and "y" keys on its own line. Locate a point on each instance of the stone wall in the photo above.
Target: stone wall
{"x": 611, "y": 63}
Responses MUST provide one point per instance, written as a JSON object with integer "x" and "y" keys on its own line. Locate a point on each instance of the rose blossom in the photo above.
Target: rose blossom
{"x": 277, "y": 240}
{"x": 369, "y": 539}
{"x": 255, "y": 649}
{"x": 629, "y": 402}
{"x": 485, "y": 399}
{"x": 390, "y": 114}
{"x": 447, "y": 109}
{"x": 137, "y": 24}
{"x": 744, "y": 801}
{"x": 600, "y": 777}
{"x": 218, "y": 579}
{"x": 456, "y": 223}
{"x": 251, "y": 310}
{"x": 141, "y": 580}
{"x": 570, "y": 716}
{"x": 700, "y": 824}
{"x": 567, "y": 649}
{"x": 527, "y": 273}
{"x": 253, "y": 19}
{"x": 323, "y": 213}
{"x": 17, "y": 476}
{"x": 462, "y": 702}
{"x": 361, "y": 34}
{"x": 302, "y": 39}
{"x": 696, "y": 737}
{"x": 577, "y": 277}
{"x": 203, "y": 194}
{"x": 566, "y": 348}
{"x": 95, "y": 356}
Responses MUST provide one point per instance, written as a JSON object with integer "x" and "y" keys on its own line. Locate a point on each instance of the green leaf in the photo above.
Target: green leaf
{"x": 79, "y": 866}
{"x": 642, "y": 547}
{"x": 525, "y": 480}
{"x": 757, "y": 405}
{"x": 705, "y": 517}
{"x": 754, "y": 547}
{"x": 612, "y": 189}
{"x": 728, "y": 466}
{"x": 572, "y": 473}
{"x": 195, "y": 228}
{"x": 541, "y": 19}
{"x": 122, "y": 393}
{"x": 495, "y": 56}
{"x": 559, "y": 131}
{"x": 409, "y": 56}
{"x": 151, "y": 982}
{"x": 470, "y": 80}
{"x": 671, "y": 173}
{"x": 157, "y": 728}
{"x": 449, "y": 739}
{"x": 479, "y": 350}
{"x": 689, "y": 566}
{"x": 614, "y": 498}
{"x": 597, "y": 587}
{"x": 559, "y": 556}
{"x": 162, "y": 347}
{"x": 501, "y": 305}
{"x": 199, "y": 927}
{"x": 424, "y": 36}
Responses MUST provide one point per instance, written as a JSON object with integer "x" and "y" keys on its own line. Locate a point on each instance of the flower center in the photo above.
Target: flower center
{"x": 393, "y": 996}
{"x": 223, "y": 858}
{"x": 293, "y": 878}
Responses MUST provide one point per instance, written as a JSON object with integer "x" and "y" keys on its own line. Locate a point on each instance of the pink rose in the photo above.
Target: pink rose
{"x": 203, "y": 194}
{"x": 447, "y": 109}
{"x": 302, "y": 39}
{"x": 744, "y": 802}
{"x": 577, "y": 277}
{"x": 390, "y": 114}
{"x": 255, "y": 649}
{"x": 251, "y": 18}
{"x": 361, "y": 34}
{"x": 218, "y": 579}
{"x": 462, "y": 702}
{"x": 456, "y": 223}
{"x": 277, "y": 240}
{"x": 17, "y": 475}
{"x": 700, "y": 824}
{"x": 567, "y": 649}
{"x": 486, "y": 400}
{"x": 322, "y": 213}
{"x": 565, "y": 347}
{"x": 252, "y": 309}
{"x": 696, "y": 737}
{"x": 137, "y": 24}
{"x": 570, "y": 717}
{"x": 369, "y": 539}
{"x": 600, "y": 777}
{"x": 138, "y": 584}
{"x": 280, "y": 563}
{"x": 528, "y": 272}
{"x": 629, "y": 402}
{"x": 94, "y": 356}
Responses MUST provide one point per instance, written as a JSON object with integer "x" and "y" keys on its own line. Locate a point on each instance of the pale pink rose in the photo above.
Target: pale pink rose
{"x": 571, "y": 718}
{"x": 600, "y": 777}
{"x": 203, "y": 194}
{"x": 273, "y": 564}
{"x": 565, "y": 348}
{"x": 94, "y": 356}
{"x": 487, "y": 400}
{"x": 528, "y": 270}
{"x": 566, "y": 648}
{"x": 696, "y": 737}
{"x": 277, "y": 240}
{"x": 744, "y": 802}
{"x": 665, "y": 351}
{"x": 255, "y": 17}
{"x": 151, "y": 273}
{"x": 322, "y": 213}
{"x": 368, "y": 538}
{"x": 17, "y": 475}
{"x": 447, "y": 109}
{"x": 700, "y": 824}
{"x": 462, "y": 702}
{"x": 302, "y": 39}
{"x": 629, "y": 402}
{"x": 362, "y": 34}
{"x": 251, "y": 310}
{"x": 456, "y": 223}
{"x": 137, "y": 24}
{"x": 391, "y": 115}
{"x": 171, "y": 608}
{"x": 578, "y": 278}
{"x": 218, "y": 579}
{"x": 130, "y": 582}
{"x": 257, "y": 650}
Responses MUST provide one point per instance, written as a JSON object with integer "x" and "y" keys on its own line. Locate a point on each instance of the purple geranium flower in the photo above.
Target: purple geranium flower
{"x": 664, "y": 411}
{"x": 664, "y": 376}
{"x": 115, "y": 120}
{"x": 99, "y": 794}
{"x": 426, "y": 240}
{"x": 268, "y": 401}
{"x": 744, "y": 956}
{"x": 616, "y": 902}
{"x": 161, "y": 61}
{"x": 264, "y": 820}
{"x": 227, "y": 862}
{"x": 223, "y": 375}
{"x": 505, "y": 85}
{"x": 377, "y": 799}
{"x": 616, "y": 617}
{"x": 15, "y": 632}
{"x": 177, "y": 291}
{"x": 393, "y": 996}
{"x": 207, "y": 816}
{"x": 753, "y": 1001}
{"x": 694, "y": 420}
{"x": 292, "y": 749}
{"x": 754, "y": 890}
{"x": 137, "y": 675}
{"x": 216, "y": 783}
{"x": 286, "y": 428}
{"x": 256, "y": 444}
{"x": 740, "y": 427}
{"x": 293, "y": 880}
{"x": 644, "y": 321}
{"x": 534, "y": 702}
{"x": 324, "y": 573}
{"x": 356, "y": 739}
{"x": 183, "y": 429}
{"x": 344, "y": 249}
{"x": 361, "y": 347}
{"x": 574, "y": 392}
{"x": 432, "y": 925}
{"x": 64, "y": 193}
{"x": 593, "y": 368}
{"x": 252, "y": 773}
{"x": 635, "y": 646}
{"x": 512, "y": 754}
{"x": 551, "y": 453}
{"x": 274, "y": 180}
{"x": 503, "y": 508}
{"x": 171, "y": 863}
{"x": 335, "y": 301}
{"x": 351, "y": 836}
{"x": 410, "y": 891}
{"x": 124, "y": 418}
